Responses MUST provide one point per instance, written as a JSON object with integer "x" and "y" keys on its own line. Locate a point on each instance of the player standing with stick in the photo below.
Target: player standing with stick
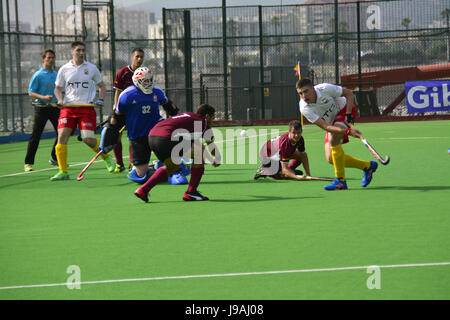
{"x": 41, "y": 88}
{"x": 329, "y": 106}
{"x": 80, "y": 79}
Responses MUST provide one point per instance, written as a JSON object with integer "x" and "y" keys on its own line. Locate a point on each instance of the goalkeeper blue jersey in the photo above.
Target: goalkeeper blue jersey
{"x": 141, "y": 110}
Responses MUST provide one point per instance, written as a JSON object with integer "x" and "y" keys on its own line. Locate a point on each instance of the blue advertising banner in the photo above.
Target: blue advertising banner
{"x": 427, "y": 96}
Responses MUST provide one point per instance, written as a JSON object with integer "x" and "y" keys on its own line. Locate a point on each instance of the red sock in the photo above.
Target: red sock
{"x": 118, "y": 153}
{"x": 294, "y": 164}
{"x": 196, "y": 176}
{"x": 160, "y": 175}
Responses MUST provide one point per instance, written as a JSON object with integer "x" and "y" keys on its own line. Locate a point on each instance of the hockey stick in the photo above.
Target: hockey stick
{"x": 315, "y": 178}
{"x": 77, "y": 105}
{"x": 371, "y": 149}
{"x": 80, "y": 176}
{"x": 318, "y": 179}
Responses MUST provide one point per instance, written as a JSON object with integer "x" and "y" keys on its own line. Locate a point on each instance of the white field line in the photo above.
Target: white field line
{"x": 218, "y": 275}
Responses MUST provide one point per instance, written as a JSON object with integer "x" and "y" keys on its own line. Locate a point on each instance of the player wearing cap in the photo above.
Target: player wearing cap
{"x": 328, "y": 106}
{"x": 79, "y": 78}
{"x": 276, "y": 153}
{"x": 180, "y": 133}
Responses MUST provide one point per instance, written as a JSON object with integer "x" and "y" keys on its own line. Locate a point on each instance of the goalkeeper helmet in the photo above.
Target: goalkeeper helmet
{"x": 143, "y": 79}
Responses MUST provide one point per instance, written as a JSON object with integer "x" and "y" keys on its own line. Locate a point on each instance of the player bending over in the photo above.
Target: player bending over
{"x": 188, "y": 128}
{"x": 276, "y": 153}
{"x": 328, "y": 106}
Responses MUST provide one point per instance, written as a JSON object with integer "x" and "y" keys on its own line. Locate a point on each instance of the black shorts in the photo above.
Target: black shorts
{"x": 162, "y": 147}
{"x": 140, "y": 151}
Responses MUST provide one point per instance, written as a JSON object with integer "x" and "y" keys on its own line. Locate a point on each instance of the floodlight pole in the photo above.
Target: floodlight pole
{"x": 225, "y": 59}
{"x": 336, "y": 42}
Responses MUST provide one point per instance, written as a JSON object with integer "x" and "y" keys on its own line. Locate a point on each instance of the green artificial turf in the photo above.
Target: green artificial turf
{"x": 248, "y": 226}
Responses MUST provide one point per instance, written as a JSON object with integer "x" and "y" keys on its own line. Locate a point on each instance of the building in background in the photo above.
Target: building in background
{"x": 129, "y": 24}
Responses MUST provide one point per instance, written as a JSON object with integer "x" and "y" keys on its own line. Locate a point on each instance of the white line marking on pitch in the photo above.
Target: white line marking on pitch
{"x": 432, "y": 264}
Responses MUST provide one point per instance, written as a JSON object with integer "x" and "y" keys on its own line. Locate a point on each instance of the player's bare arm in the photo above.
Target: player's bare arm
{"x": 35, "y": 95}
{"x": 116, "y": 96}
{"x": 212, "y": 149}
{"x": 336, "y": 129}
{"x": 305, "y": 161}
{"x": 348, "y": 94}
{"x": 289, "y": 173}
{"x": 58, "y": 94}
{"x": 102, "y": 91}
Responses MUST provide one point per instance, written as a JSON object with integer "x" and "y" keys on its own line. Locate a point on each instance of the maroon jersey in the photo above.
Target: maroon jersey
{"x": 280, "y": 148}
{"x": 124, "y": 78}
{"x": 186, "y": 124}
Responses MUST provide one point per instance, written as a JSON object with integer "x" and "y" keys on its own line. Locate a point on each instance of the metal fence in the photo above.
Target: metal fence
{"x": 239, "y": 59}
{"x": 244, "y": 60}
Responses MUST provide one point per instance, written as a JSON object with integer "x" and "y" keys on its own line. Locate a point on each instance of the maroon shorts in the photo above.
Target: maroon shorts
{"x": 340, "y": 117}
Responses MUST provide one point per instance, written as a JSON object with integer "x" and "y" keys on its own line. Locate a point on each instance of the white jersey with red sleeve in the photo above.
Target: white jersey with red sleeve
{"x": 328, "y": 104}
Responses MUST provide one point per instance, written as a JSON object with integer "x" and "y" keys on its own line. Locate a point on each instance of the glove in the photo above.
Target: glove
{"x": 350, "y": 118}
{"x": 99, "y": 102}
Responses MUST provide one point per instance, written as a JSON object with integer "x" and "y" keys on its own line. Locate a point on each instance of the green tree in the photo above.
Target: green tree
{"x": 405, "y": 23}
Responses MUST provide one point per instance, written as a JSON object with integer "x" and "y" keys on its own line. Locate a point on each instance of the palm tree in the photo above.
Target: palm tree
{"x": 405, "y": 23}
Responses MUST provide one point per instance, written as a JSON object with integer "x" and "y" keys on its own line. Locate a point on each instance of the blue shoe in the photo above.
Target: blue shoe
{"x": 177, "y": 178}
{"x": 368, "y": 173}
{"x": 336, "y": 185}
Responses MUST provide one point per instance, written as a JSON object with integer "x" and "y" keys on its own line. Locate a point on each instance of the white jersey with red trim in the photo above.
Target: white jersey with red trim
{"x": 80, "y": 82}
{"x": 328, "y": 104}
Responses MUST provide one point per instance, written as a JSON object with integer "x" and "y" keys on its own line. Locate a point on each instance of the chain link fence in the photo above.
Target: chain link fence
{"x": 238, "y": 59}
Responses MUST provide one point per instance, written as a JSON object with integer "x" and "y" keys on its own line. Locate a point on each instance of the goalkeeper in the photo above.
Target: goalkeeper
{"x": 138, "y": 109}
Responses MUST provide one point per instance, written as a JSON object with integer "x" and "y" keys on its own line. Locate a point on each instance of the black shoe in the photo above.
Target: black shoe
{"x": 194, "y": 196}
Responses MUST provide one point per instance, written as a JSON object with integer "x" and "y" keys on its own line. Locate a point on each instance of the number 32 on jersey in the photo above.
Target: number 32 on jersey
{"x": 146, "y": 109}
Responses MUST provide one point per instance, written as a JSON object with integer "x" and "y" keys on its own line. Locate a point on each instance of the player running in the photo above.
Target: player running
{"x": 79, "y": 78}
{"x": 165, "y": 139}
{"x": 328, "y": 106}
{"x": 276, "y": 153}
{"x": 138, "y": 109}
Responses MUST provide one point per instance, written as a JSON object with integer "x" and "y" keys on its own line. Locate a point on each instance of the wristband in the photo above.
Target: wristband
{"x": 347, "y": 131}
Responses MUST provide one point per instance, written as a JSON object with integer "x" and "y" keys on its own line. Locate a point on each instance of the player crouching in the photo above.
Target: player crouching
{"x": 276, "y": 153}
